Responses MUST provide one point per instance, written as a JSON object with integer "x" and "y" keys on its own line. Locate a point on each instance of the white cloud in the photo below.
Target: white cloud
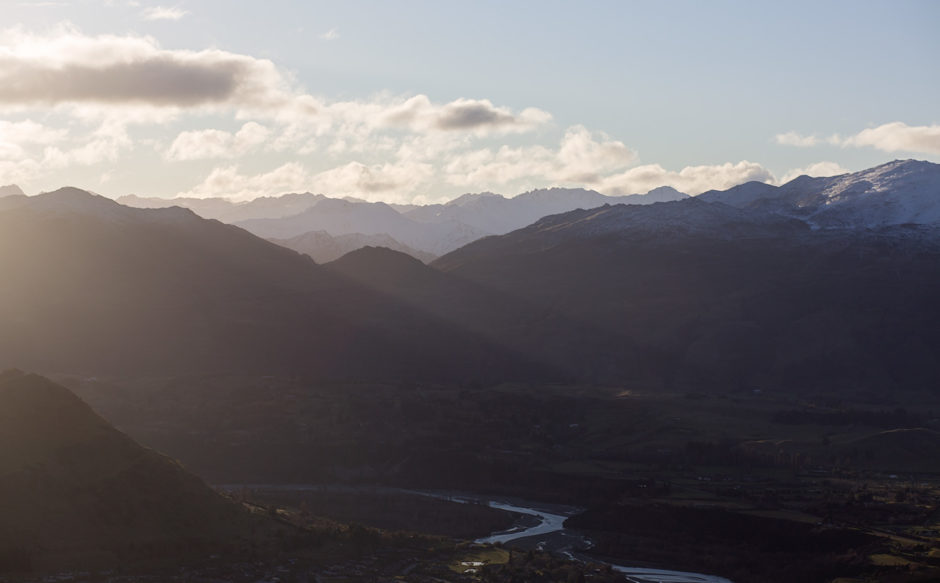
{"x": 329, "y": 35}
{"x": 207, "y": 144}
{"x": 690, "y": 180}
{"x": 164, "y": 13}
{"x": 582, "y": 157}
{"x": 890, "y": 137}
{"x": 385, "y": 181}
{"x": 19, "y": 171}
{"x": 229, "y": 182}
{"x": 28, "y": 149}
{"x": 15, "y": 137}
{"x": 898, "y": 137}
{"x": 105, "y": 144}
{"x": 824, "y": 168}
{"x": 374, "y": 182}
{"x": 795, "y": 139}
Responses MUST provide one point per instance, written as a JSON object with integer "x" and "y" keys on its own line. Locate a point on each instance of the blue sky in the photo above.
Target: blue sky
{"x": 422, "y": 101}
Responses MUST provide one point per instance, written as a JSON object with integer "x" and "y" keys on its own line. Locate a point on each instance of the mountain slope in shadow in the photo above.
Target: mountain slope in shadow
{"x": 92, "y": 287}
{"x": 705, "y": 295}
{"x": 75, "y": 491}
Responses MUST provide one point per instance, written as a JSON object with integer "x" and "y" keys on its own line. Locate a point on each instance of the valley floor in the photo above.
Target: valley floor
{"x": 749, "y": 485}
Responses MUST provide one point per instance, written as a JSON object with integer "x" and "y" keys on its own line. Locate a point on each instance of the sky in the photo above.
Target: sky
{"x": 419, "y": 102}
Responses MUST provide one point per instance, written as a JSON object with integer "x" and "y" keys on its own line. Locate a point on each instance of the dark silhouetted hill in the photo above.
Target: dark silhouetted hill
{"x": 74, "y": 491}
{"x": 93, "y": 287}
{"x": 696, "y": 294}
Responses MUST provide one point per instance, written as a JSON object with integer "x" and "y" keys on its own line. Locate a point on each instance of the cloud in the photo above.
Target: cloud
{"x": 691, "y": 179}
{"x": 164, "y": 13}
{"x": 19, "y": 171}
{"x": 898, "y": 137}
{"x": 472, "y": 114}
{"x": 29, "y": 150}
{"x": 329, "y": 35}
{"x": 207, "y": 144}
{"x": 29, "y": 132}
{"x": 229, "y": 182}
{"x": 133, "y": 77}
{"x": 582, "y": 157}
{"x": 374, "y": 182}
{"x": 818, "y": 169}
{"x": 386, "y": 146}
{"x": 66, "y": 66}
{"x": 104, "y": 145}
{"x": 890, "y": 137}
{"x": 418, "y": 113}
{"x": 795, "y": 139}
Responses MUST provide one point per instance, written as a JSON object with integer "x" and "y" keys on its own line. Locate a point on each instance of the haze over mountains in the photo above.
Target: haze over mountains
{"x": 421, "y": 231}
{"x": 323, "y": 247}
{"x": 667, "y": 293}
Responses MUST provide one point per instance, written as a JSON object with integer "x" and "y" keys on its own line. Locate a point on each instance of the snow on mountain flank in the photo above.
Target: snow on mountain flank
{"x": 896, "y": 193}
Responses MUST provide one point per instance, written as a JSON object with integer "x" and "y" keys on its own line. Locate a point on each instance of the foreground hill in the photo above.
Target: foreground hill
{"x": 75, "y": 491}
{"x": 94, "y": 287}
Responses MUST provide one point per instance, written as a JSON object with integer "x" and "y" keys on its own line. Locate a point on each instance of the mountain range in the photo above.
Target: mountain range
{"x": 323, "y": 247}
{"x": 897, "y": 193}
{"x": 95, "y": 287}
{"x": 802, "y": 285}
{"x": 422, "y": 231}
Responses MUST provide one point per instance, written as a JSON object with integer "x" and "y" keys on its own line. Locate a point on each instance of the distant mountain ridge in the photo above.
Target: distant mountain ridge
{"x": 323, "y": 247}
{"x": 428, "y": 230}
{"x": 898, "y": 192}
{"x": 497, "y": 215}
{"x": 11, "y": 190}
{"x": 227, "y": 211}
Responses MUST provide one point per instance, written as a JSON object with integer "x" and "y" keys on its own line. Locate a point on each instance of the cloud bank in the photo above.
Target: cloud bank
{"x": 817, "y": 169}
{"x": 690, "y": 180}
{"x": 890, "y": 137}
{"x": 69, "y": 67}
{"x": 898, "y": 137}
{"x": 75, "y": 100}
